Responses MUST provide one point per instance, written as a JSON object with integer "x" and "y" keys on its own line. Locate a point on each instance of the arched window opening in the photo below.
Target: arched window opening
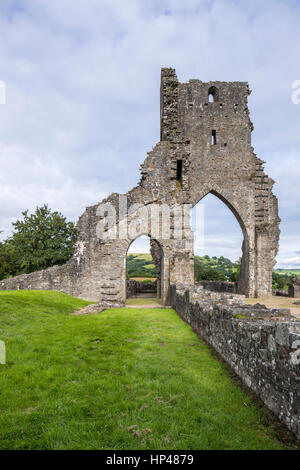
{"x": 213, "y": 94}
{"x": 143, "y": 271}
{"x": 218, "y": 240}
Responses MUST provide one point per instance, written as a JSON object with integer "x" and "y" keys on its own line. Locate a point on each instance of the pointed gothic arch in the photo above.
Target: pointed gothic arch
{"x": 242, "y": 284}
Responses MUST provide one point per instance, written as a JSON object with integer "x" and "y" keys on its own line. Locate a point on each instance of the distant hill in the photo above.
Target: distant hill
{"x": 141, "y": 265}
{"x": 215, "y": 268}
{"x": 294, "y": 272}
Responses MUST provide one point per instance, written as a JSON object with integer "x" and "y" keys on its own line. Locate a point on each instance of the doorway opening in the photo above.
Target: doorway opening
{"x": 144, "y": 272}
{"x": 219, "y": 243}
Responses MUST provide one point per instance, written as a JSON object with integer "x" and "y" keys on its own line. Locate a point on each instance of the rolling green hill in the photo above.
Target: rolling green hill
{"x": 206, "y": 268}
{"x": 140, "y": 265}
{"x": 293, "y": 272}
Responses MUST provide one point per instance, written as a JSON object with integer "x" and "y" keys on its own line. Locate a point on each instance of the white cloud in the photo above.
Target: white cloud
{"x": 290, "y": 262}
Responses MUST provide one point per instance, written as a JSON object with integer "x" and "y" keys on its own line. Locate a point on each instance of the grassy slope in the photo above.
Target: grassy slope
{"x": 123, "y": 379}
{"x": 143, "y": 256}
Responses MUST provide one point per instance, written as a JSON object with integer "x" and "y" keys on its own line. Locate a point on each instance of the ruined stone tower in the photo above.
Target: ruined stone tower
{"x": 205, "y": 147}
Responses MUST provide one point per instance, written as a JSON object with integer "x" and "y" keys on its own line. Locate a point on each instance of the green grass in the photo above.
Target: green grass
{"x": 123, "y": 379}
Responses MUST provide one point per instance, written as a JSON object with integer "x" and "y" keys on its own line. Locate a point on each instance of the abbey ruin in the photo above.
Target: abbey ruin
{"x": 205, "y": 147}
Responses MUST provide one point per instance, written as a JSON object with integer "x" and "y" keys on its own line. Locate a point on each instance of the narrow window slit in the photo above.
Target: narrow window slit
{"x": 179, "y": 173}
{"x": 213, "y": 137}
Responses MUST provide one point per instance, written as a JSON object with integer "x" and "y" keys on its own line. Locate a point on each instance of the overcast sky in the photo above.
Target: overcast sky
{"x": 82, "y": 98}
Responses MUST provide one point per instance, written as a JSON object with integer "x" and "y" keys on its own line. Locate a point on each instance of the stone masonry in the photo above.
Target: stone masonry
{"x": 261, "y": 345}
{"x": 294, "y": 288}
{"x": 205, "y": 147}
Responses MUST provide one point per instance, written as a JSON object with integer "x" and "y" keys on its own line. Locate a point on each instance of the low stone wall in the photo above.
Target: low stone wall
{"x": 201, "y": 293}
{"x": 218, "y": 286}
{"x": 261, "y": 345}
{"x": 136, "y": 287}
{"x": 294, "y": 288}
{"x": 47, "y": 279}
{"x": 281, "y": 293}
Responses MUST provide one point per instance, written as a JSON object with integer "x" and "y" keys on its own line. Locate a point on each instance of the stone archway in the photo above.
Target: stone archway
{"x": 157, "y": 253}
{"x": 244, "y": 285}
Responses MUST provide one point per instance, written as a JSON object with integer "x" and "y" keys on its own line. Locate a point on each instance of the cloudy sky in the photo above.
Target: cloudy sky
{"x": 82, "y": 98}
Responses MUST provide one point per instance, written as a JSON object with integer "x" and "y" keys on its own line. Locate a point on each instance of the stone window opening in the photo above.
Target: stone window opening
{"x": 213, "y": 137}
{"x": 213, "y": 94}
{"x": 179, "y": 171}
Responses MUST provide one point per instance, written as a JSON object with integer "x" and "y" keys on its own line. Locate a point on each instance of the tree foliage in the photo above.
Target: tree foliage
{"x": 215, "y": 269}
{"x": 281, "y": 281}
{"x": 39, "y": 241}
{"x": 137, "y": 266}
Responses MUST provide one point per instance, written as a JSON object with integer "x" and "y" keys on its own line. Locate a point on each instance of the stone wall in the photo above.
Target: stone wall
{"x": 281, "y": 293}
{"x": 294, "y": 288}
{"x": 261, "y": 345}
{"x": 221, "y": 293}
{"x": 136, "y": 287}
{"x": 218, "y": 286}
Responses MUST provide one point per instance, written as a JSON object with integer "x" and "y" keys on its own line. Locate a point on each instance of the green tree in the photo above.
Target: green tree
{"x": 7, "y": 261}
{"x": 280, "y": 281}
{"x": 206, "y": 272}
{"x": 41, "y": 240}
{"x": 234, "y": 276}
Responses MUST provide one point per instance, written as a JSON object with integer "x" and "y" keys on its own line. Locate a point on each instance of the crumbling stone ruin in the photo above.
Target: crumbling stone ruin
{"x": 205, "y": 147}
{"x": 294, "y": 287}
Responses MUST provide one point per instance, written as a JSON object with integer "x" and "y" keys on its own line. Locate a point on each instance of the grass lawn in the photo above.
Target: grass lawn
{"x": 122, "y": 379}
